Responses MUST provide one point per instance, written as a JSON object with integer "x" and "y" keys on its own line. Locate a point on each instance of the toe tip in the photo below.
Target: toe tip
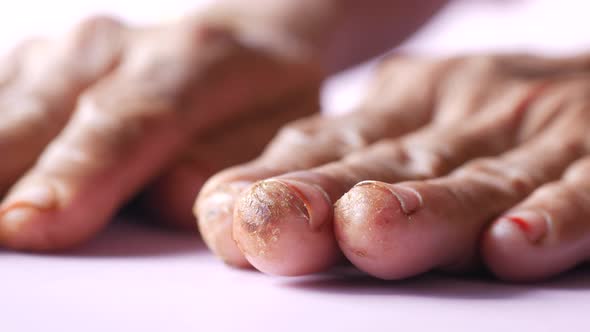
{"x": 273, "y": 229}
{"x": 215, "y": 222}
{"x": 511, "y": 250}
{"x": 374, "y": 232}
{"x": 16, "y": 231}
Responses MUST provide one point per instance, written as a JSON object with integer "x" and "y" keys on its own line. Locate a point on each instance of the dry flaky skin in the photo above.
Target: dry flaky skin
{"x": 128, "y": 106}
{"x": 488, "y": 131}
{"x": 269, "y": 202}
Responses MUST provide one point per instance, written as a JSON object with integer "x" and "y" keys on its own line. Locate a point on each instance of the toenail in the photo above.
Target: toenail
{"x": 264, "y": 204}
{"x": 34, "y": 198}
{"x": 14, "y": 216}
{"x": 39, "y": 196}
{"x": 409, "y": 199}
{"x": 24, "y": 206}
{"x": 216, "y": 209}
{"x": 533, "y": 224}
{"x": 316, "y": 201}
{"x": 271, "y": 201}
{"x": 219, "y": 203}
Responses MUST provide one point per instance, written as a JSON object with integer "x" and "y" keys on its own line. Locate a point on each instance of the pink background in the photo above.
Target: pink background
{"x": 134, "y": 277}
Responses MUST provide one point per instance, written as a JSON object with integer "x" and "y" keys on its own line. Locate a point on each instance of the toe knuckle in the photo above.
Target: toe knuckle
{"x": 574, "y": 92}
{"x": 304, "y": 130}
{"x": 499, "y": 173}
{"x": 103, "y": 134}
{"x": 579, "y": 172}
{"x": 478, "y": 65}
{"x": 402, "y": 80}
{"x": 425, "y": 162}
{"x": 20, "y": 57}
{"x": 90, "y": 26}
{"x": 558, "y": 193}
{"x": 93, "y": 46}
{"x": 393, "y": 64}
{"x": 93, "y": 30}
{"x": 464, "y": 71}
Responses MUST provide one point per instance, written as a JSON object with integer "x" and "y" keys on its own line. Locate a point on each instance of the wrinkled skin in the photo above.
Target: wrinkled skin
{"x": 91, "y": 118}
{"x": 447, "y": 164}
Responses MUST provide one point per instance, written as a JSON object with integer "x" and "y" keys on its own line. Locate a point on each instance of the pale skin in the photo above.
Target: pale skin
{"x": 448, "y": 164}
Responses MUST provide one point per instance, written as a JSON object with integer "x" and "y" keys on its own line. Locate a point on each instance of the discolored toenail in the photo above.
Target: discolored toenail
{"x": 276, "y": 198}
{"x": 534, "y": 225}
{"x": 266, "y": 203}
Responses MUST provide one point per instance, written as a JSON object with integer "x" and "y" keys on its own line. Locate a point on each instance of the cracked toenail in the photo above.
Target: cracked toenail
{"x": 315, "y": 200}
{"x": 534, "y": 225}
{"x": 269, "y": 202}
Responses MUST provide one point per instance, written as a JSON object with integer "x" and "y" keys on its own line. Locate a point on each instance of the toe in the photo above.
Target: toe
{"x": 397, "y": 231}
{"x": 270, "y": 214}
{"x": 546, "y": 234}
{"x": 40, "y": 87}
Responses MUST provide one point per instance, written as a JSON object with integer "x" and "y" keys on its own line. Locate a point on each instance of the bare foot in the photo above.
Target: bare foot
{"x": 89, "y": 119}
{"x": 170, "y": 197}
{"x": 440, "y": 153}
